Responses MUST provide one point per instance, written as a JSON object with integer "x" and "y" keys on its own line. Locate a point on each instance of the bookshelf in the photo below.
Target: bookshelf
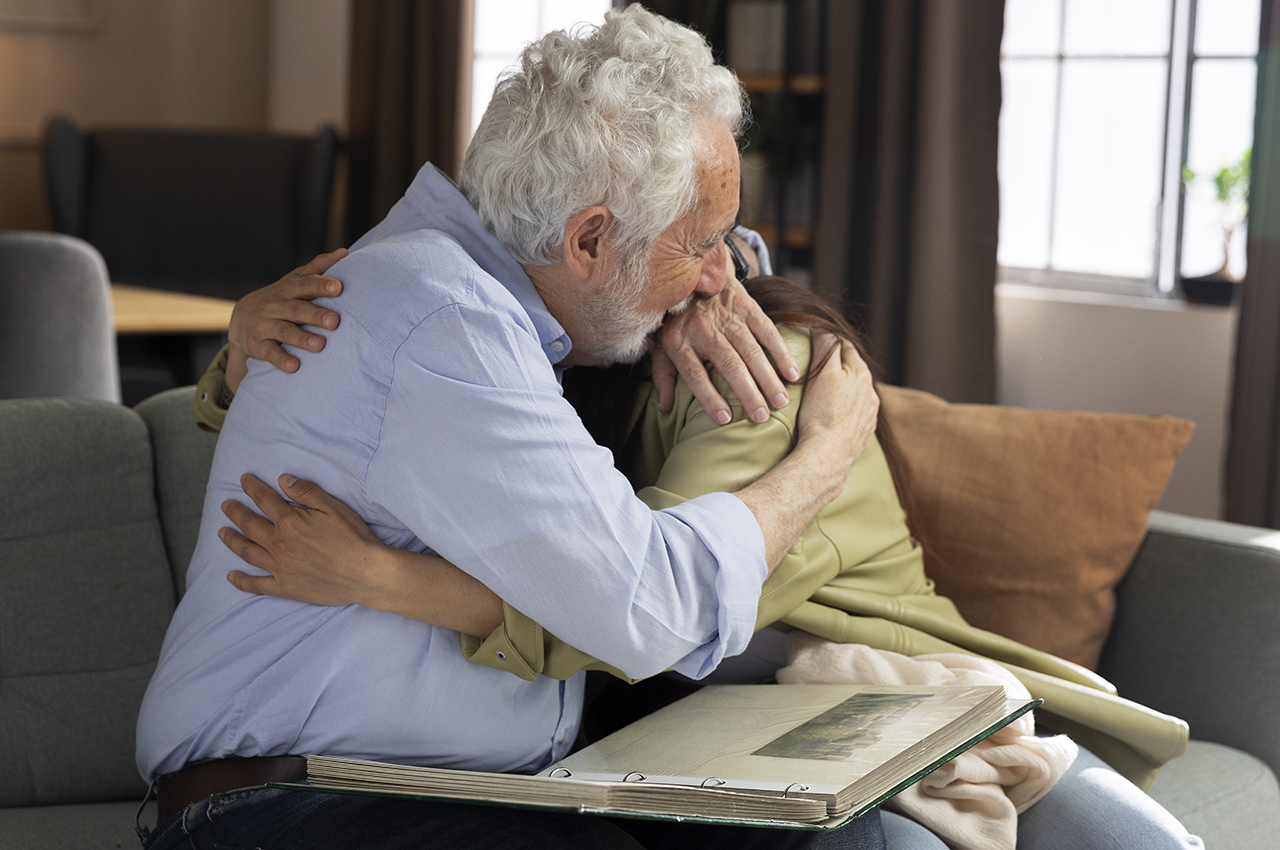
{"x": 776, "y": 48}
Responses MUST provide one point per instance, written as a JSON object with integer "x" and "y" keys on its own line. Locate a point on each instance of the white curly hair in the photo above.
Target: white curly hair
{"x": 601, "y": 116}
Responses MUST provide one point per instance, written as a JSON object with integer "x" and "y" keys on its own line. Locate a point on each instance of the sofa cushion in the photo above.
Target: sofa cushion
{"x": 1227, "y": 797}
{"x": 183, "y": 453}
{"x": 1028, "y": 518}
{"x": 92, "y": 826}
{"x": 85, "y": 598}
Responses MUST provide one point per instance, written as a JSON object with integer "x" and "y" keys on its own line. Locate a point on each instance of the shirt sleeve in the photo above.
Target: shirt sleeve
{"x": 482, "y": 460}
{"x": 705, "y": 458}
{"x": 757, "y": 243}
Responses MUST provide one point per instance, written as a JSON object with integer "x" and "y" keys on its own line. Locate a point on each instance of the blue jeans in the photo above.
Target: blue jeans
{"x": 1091, "y": 808}
{"x": 274, "y": 819}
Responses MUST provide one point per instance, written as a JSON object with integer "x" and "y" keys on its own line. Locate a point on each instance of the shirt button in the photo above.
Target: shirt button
{"x": 557, "y": 346}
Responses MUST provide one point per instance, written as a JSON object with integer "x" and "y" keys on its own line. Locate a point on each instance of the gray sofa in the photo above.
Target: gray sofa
{"x": 99, "y": 508}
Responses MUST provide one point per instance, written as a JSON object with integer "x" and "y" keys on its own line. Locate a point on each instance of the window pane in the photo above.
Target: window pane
{"x": 504, "y": 26}
{"x": 1117, "y": 27}
{"x": 1222, "y": 92}
{"x": 1026, "y": 160}
{"x": 563, "y": 14}
{"x": 1227, "y": 27}
{"x": 1108, "y": 183}
{"x": 1031, "y": 27}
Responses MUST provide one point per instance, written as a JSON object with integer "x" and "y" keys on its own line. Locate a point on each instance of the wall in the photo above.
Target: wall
{"x": 172, "y": 63}
{"x": 1086, "y": 351}
{"x": 310, "y": 53}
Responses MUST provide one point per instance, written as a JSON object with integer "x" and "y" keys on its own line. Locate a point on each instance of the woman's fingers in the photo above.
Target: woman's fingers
{"x": 268, "y": 501}
{"x": 308, "y": 493}
{"x": 323, "y": 262}
{"x": 246, "y": 549}
{"x": 265, "y": 320}
{"x": 261, "y": 585}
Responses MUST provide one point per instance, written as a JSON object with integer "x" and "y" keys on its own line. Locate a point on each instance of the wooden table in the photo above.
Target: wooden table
{"x": 165, "y": 339}
{"x": 139, "y": 310}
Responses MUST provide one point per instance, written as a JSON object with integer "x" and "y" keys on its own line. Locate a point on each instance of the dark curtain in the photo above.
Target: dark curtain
{"x": 1253, "y": 448}
{"x": 408, "y": 73}
{"x": 909, "y": 203}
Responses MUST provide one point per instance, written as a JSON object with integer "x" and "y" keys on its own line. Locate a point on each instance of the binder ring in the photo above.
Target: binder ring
{"x": 713, "y": 782}
{"x": 560, "y": 773}
{"x": 795, "y": 786}
{"x": 639, "y": 777}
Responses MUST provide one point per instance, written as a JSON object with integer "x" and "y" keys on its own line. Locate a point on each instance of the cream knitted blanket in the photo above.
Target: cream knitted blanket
{"x": 973, "y": 801}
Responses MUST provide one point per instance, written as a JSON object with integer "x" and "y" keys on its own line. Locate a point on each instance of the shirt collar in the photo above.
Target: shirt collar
{"x": 443, "y": 207}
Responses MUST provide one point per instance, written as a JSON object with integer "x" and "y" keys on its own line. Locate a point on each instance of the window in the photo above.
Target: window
{"x": 504, "y": 27}
{"x": 1118, "y": 115}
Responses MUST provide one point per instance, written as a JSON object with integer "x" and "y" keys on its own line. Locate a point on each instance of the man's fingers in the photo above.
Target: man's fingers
{"x": 699, "y": 382}
{"x": 751, "y": 375}
{"x": 664, "y": 378}
{"x": 724, "y": 354}
{"x": 767, "y": 335}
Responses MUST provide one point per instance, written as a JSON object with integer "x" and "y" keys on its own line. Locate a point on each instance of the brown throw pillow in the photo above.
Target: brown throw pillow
{"x": 1029, "y": 518}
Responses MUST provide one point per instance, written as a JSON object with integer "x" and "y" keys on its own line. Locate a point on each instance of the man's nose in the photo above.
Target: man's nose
{"x": 715, "y": 272}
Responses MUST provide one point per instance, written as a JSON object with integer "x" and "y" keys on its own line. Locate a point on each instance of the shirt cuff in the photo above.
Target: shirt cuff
{"x": 209, "y": 409}
{"x": 730, "y": 532}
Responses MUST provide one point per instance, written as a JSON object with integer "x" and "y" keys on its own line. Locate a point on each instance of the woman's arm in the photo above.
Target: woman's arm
{"x": 267, "y": 319}
{"x": 323, "y": 553}
{"x": 329, "y": 556}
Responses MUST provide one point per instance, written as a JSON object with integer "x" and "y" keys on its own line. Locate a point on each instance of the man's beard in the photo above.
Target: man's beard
{"x": 614, "y": 330}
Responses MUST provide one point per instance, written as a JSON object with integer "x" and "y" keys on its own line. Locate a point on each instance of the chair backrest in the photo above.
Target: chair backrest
{"x": 205, "y": 212}
{"x": 57, "y": 337}
{"x": 85, "y": 598}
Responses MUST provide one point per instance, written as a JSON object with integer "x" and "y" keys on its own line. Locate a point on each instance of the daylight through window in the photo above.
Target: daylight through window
{"x": 1124, "y": 140}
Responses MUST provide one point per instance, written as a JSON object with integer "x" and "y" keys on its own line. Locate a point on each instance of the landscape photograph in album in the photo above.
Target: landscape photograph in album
{"x": 807, "y": 756}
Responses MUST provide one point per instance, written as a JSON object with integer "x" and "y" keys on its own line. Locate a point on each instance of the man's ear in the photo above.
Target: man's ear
{"x": 584, "y": 248}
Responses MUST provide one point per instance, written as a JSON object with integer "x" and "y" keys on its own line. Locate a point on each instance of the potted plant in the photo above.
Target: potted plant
{"x": 1232, "y": 184}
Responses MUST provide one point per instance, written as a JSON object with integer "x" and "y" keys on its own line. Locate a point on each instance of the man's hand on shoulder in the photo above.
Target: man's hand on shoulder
{"x": 733, "y": 333}
{"x": 840, "y": 406}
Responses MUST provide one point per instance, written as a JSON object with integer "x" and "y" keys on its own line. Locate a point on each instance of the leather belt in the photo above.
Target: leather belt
{"x": 203, "y": 779}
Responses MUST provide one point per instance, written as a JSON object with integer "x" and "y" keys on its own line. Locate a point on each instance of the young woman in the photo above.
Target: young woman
{"x": 854, "y": 576}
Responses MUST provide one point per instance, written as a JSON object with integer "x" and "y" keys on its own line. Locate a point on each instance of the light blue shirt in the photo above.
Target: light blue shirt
{"x": 435, "y": 412}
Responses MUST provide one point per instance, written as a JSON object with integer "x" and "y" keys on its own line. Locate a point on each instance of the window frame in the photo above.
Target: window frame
{"x": 1166, "y": 280}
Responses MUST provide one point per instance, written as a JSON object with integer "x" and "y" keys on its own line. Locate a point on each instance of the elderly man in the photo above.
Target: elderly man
{"x": 595, "y": 200}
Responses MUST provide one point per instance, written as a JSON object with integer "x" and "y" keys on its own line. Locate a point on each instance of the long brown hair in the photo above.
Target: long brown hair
{"x": 603, "y": 396}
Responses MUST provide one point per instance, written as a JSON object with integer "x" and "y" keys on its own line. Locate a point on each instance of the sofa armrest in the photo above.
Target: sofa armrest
{"x": 1195, "y": 630}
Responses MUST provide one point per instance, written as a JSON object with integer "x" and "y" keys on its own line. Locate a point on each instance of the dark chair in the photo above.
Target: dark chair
{"x": 203, "y": 212}
{"x": 57, "y": 337}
